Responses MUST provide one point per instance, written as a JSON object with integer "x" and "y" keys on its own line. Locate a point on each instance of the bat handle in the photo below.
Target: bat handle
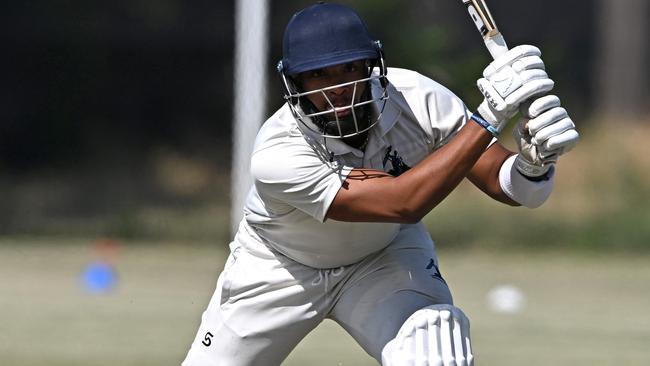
{"x": 496, "y": 45}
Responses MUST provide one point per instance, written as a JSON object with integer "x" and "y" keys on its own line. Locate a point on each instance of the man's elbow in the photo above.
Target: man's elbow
{"x": 410, "y": 215}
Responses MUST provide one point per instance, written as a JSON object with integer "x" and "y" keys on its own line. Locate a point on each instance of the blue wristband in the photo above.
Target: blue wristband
{"x": 485, "y": 124}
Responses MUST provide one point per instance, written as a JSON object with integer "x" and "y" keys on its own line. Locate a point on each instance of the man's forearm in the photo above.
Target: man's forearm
{"x": 431, "y": 181}
{"x": 375, "y": 196}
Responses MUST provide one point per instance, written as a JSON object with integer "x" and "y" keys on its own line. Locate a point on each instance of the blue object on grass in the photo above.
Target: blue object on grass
{"x": 99, "y": 277}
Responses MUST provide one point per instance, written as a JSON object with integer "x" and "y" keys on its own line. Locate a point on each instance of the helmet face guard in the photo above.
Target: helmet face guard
{"x": 327, "y": 122}
{"x": 325, "y": 35}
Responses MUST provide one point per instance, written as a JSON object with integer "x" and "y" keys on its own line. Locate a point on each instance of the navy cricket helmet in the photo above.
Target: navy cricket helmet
{"x": 324, "y": 35}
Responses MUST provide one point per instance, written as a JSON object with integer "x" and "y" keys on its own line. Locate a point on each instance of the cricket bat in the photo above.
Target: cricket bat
{"x": 484, "y": 22}
{"x": 493, "y": 39}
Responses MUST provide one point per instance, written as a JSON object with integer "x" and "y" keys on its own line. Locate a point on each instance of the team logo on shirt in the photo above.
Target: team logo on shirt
{"x": 435, "y": 272}
{"x": 397, "y": 163}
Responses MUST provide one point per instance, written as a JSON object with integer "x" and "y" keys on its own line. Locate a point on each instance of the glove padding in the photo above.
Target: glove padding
{"x": 514, "y": 77}
{"x": 544, "y": 133}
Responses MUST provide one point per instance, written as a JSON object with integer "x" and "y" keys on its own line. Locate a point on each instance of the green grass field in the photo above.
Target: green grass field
{"x": 582, "y": 260}
{"x": 579, "y": 309}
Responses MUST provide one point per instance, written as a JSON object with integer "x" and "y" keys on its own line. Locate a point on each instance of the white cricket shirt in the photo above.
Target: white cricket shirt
{"x": 297, "y": 173}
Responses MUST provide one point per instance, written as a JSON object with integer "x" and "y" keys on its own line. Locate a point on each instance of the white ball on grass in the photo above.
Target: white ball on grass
{"x": 506, "y": 299}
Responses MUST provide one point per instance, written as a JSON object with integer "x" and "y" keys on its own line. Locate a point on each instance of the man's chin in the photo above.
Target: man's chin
{"x": 347, "y": 127}
{"x": 357, "y": 141}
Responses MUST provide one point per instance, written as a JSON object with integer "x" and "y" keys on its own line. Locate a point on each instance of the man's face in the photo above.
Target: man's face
{"x": 334, "y": 75}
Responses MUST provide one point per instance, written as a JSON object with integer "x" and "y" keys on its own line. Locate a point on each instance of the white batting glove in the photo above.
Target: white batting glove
{"x": 545, "y": 133}
{"x": 512, "y": 78}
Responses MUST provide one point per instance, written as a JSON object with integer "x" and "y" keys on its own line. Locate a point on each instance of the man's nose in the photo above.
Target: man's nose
{"x": 342, "y": 90}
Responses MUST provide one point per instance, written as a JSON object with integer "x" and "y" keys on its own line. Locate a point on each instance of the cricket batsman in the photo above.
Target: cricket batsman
{"x": 345, "y": 171}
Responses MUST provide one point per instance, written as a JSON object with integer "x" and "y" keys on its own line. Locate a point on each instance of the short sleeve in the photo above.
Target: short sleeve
{"x": 292, "y": 172}
{"x": 445, "y": 111}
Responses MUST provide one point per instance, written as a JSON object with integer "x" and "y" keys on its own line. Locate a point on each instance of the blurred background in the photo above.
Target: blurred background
{"x": 116, "y": 125}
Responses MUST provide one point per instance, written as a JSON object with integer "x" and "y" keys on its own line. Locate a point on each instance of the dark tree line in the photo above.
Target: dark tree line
{"x": 86, "y": 82}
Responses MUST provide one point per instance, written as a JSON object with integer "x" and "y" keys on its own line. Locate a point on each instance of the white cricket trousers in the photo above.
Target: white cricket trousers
{"x": 266, "y": 303}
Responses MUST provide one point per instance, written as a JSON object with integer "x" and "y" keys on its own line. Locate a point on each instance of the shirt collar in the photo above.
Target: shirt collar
{"x": 391, "y": 112}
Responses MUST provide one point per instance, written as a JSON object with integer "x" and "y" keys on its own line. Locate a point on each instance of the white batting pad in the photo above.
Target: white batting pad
{"x": 437, "y": 335}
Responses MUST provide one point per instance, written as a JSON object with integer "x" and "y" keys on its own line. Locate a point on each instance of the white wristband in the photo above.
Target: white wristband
{"x": 523, "y": 191}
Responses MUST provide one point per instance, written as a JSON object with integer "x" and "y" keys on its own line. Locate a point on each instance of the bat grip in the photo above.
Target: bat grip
{"x": 496, "y": 45}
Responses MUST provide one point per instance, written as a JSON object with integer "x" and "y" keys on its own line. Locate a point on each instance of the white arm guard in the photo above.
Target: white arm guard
{"x": 523, "y": 191}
